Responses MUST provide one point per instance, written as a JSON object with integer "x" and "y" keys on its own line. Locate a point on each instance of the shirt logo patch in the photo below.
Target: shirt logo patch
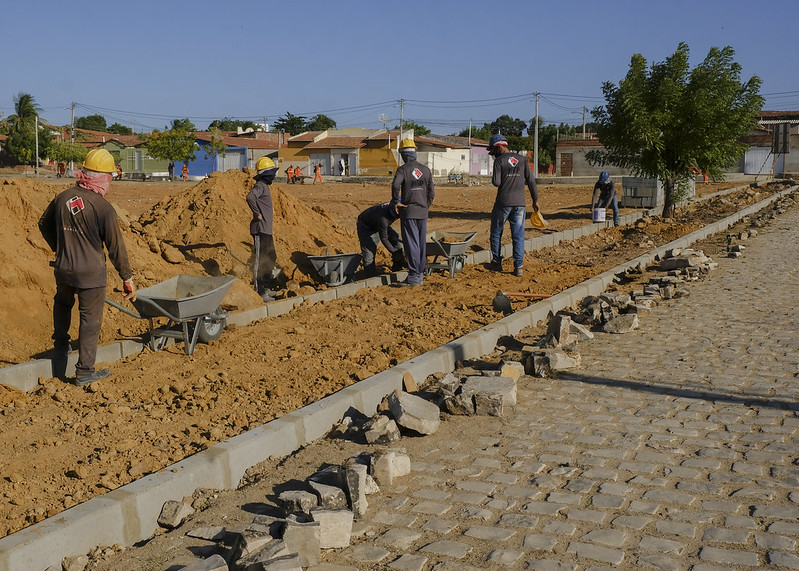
{"x": 75, "y": 205}
{"x": 417, "y": 174}
{"x": 513, "y": 161}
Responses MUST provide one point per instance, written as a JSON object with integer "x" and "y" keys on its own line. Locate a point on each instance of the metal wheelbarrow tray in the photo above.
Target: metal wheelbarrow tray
{"x": 335, "y": 270}
{"x": 452, "y": 247}
{"x": 184, "y": 300}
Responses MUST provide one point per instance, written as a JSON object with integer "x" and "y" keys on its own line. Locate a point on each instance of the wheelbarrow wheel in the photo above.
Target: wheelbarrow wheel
{"x": 211, "y": 327}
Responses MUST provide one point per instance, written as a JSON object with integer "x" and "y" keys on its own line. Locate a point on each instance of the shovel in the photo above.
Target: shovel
{"x": 501, "y": 301}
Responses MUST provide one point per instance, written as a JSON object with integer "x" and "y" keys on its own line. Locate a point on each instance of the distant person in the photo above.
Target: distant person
{"x": 185, "y": 172}
{"x": 605, "y": 189}
{"x": 298, "y": 174}
{"x": 511, "y": 172}
{"x": 374, "y": 226}
{"x": 77, "y": 225}
{"x": 171, "y": 170}
{"x": 290, "y": 174}
{"x": 119, "y": 171}
{"x": 62, "y": 169}
{"x": 259, "y": 200}
{"x": 341, "y": 167}
{"x": 412, "y": 193}
{"x": 317, "y": 172}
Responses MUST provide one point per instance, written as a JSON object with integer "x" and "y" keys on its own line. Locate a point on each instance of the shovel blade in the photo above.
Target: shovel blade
{"x": 501, "y": 304}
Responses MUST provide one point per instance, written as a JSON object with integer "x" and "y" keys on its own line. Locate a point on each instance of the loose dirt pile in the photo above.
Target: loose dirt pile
{"x": 64, "y": 444}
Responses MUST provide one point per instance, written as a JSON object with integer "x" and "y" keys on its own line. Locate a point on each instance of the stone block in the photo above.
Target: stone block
{"x": 504, "y": 386}
{"x": 330, "y": 497}
{"x": 335, "y": 527}
{"x": 488, "y": 404}
{"x": 355, "y": 475}
{"x": 173, "y": 513}
{"x": 297, "y": 501}
{"x": 414, "y": 413}
{"x": 621, "y": 324}
{"x": 304, "y": 540}
{"x": 511, "y": 369}
{"x": 290, "y": 562}
{"x": 559, "y": 327}
{"x": 214, "y": 563}
{"x": 460, "y": 405}
{"x": 380, "y": 429}
{"x": 215, "y": 533}
{"x": 270, "y": 550}
{"x": 581, "y": 332}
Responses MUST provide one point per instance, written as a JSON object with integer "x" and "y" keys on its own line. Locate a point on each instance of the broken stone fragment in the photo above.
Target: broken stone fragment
{"x": 505, "y": 387}
{"x": 511, "y": 369}
{"x": 214, "y": 563}
{"x": 380, "y": 429}
{"x": 622, "y": 324}
{"x": 335, "y": 527}
{"x": 559, "y": 327}
{"x": 174, "y": 513}
{"x": 215, "y": 533}
{"x": 303, "y": 538}
{"x": 297, "y": 501}
{"x": 488, "y": 404}
{"x": 459, "y": 405}
{"x": 355, "y": 475}
{"x": 330, "y": 497}
{"x": 414, "y": 413}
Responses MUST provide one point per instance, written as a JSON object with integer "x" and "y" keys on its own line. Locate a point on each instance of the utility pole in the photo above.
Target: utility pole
{"x": 36, "y": 155}
{"x": 535, "y": 143}
{"x": 72, "y": 136}
{"x": 402, "y": 120}
{"x": 470, "y": 133}
{"x": 583, "y": 121}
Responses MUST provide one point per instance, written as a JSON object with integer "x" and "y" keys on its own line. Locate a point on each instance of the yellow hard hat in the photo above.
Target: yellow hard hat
{"x": 99, "y": 160}
{"x": 407, "y": 144}
{"x": 264, "y": 163}
{"x": 537, "y": 220}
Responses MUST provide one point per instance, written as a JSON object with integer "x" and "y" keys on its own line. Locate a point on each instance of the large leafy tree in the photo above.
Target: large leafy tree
{"x": 118, "y": 129}
{"x": 67, "y": 151}
{"x": 320, "y": 122}
{"x": 183, "y": 125}
{"x": 21, "y": 143}
{"x": 483, "y": 132}
{"x": 216, "y": 146}
{"x": 228, "y": 124}
{"x": 173, "y": 145}
{"x": 292, "y": 124}
{"x": 660, "y": 121}
{"x": 508, "y": 126}
{"x": 417, "y": 129}
{"x": 91, "y": 123}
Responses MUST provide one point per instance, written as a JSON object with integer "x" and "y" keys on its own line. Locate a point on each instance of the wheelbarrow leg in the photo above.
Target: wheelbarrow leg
{"x": 190, "y": 342}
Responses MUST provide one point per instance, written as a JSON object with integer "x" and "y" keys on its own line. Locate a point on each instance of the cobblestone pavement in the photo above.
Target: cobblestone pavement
{"x": 674, "y": 446}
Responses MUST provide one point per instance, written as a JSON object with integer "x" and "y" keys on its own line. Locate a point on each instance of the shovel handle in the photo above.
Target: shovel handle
{"x": 533, "y": 295}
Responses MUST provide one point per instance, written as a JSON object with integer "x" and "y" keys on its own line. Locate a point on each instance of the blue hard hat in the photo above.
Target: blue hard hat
{"x": 604, "y": 177}
{"x": 497, "y": 140}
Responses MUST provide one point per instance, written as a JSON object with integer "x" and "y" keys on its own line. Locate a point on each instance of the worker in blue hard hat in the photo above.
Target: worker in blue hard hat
{"x": 511, "y": 172}
{"x": 605, "y": 189}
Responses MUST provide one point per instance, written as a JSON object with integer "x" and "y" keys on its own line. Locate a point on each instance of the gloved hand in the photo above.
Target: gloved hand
{"x": 130, "y": 290}
{"x": 397, "y": 261}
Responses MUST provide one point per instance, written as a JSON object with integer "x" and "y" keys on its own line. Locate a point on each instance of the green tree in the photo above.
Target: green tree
{"x": 419, "y": 130}
{"x": 660, "y": 122}
{"x": 228, "y": 124}
{"x": 483, "y": 132}
{"x": 291, "y": 124}
{"x": 118, "y": 129}
{"x": 183, "y": 125}
{"x": 67, "y": 151}
{"x": 320, "y": 122}
{"x": 508, "y": 126}
{"x": 173, "y": 145}
{"x": 21, "y": 143}
{"x": 91, "y": 123}
{"x": 215, "y": 146}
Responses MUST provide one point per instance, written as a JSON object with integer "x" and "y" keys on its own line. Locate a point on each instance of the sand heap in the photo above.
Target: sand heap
{"x": 211, "y": 225}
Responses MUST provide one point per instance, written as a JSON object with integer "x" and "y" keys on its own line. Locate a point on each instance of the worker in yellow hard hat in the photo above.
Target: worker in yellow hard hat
{"x": 259, "y": 200}
{"x": 412, "y": 193}
{"x": 77, "y": 225}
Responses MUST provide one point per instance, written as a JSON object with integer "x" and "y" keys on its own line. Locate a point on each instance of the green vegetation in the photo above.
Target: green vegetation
{"x": 21, "y": 131}
{"x": 660, "y": 121}
{"x": 91, "y": 123}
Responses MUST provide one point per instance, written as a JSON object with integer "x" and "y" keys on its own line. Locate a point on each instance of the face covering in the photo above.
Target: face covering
{"x": 96, "y": 182}
{"x": 408, "y": 156}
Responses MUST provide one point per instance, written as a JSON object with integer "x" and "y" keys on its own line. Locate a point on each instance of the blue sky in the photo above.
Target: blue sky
{"x": 144, "y": 63}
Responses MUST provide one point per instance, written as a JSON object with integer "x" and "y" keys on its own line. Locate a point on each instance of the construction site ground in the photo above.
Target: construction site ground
{"x": 64, "y": 444}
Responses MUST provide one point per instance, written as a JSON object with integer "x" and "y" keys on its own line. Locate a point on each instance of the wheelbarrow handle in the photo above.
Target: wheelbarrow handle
{"x": 121, "y": 308}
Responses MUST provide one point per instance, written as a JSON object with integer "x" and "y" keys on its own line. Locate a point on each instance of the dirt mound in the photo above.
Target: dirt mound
{"x": 210, "y": 225}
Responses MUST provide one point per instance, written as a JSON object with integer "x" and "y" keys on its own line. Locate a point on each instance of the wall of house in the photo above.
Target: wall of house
{"x": 376, "y": 159}
{"x": 580, "y": 166}
{"x": 443, "y": 163}
{"x": 480, "y": 162}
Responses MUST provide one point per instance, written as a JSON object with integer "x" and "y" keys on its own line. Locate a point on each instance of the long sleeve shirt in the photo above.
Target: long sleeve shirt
{"x": 413, "y": 187}
{"x": 511, "y": 172}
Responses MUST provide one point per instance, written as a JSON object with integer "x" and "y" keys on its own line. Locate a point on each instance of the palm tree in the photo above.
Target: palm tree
{"x": 25, "y": 112}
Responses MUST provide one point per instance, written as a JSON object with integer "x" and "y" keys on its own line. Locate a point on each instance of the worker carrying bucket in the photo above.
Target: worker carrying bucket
{"x": 605, "y": 190}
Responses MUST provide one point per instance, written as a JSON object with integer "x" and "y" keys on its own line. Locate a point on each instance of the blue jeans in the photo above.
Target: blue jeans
{"x": 515, "y": 216}
{"x": 614, "y": 204}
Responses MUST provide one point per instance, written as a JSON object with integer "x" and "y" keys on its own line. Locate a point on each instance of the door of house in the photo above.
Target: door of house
{"x": 758, "y": 160}
{"x": 324, "y": 160}
{"x": 566, "y": 164}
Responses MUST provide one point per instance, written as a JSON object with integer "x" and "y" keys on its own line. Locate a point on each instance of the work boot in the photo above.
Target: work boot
{"x": 518, "y": 272}
{"x": 494, "y": 266}
{"x": 92, "y": 377}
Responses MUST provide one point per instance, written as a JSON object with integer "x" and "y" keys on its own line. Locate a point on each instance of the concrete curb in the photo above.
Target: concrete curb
{"x": 128, "y": 514}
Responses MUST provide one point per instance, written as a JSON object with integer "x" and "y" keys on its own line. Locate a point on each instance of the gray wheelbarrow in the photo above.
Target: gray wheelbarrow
{"x": 191, "y": 305}
{"x": 335, "y": 270}
{"x": 451, "y": 248}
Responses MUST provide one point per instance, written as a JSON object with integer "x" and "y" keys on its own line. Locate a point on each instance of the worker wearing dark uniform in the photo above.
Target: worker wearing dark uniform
{"x": 259, "y": 200}
{"x": 77, "y": 224}
{"x": 511, "y": 172}
{"x": 412, "y": 193}
{"x": 605, "y": 189}
{"x": 374, "y": 226}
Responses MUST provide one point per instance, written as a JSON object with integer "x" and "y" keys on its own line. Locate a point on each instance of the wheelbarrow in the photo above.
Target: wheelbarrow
{"x": 335, "y": 270}
{"x": 191, "y": 305}
{"x": 451, "y": 247}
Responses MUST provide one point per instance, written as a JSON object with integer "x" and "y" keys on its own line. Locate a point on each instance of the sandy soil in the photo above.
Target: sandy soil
{"x": 64, "y": 444}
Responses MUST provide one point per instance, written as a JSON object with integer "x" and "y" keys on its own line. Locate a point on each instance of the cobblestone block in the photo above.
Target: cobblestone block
{"x": 449, "y": 548}
{"x": 597, "y": 553}
{"x": 661, "y": 545}
{"x": 408, "y": 562}
{"x": 728, "y": 556}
